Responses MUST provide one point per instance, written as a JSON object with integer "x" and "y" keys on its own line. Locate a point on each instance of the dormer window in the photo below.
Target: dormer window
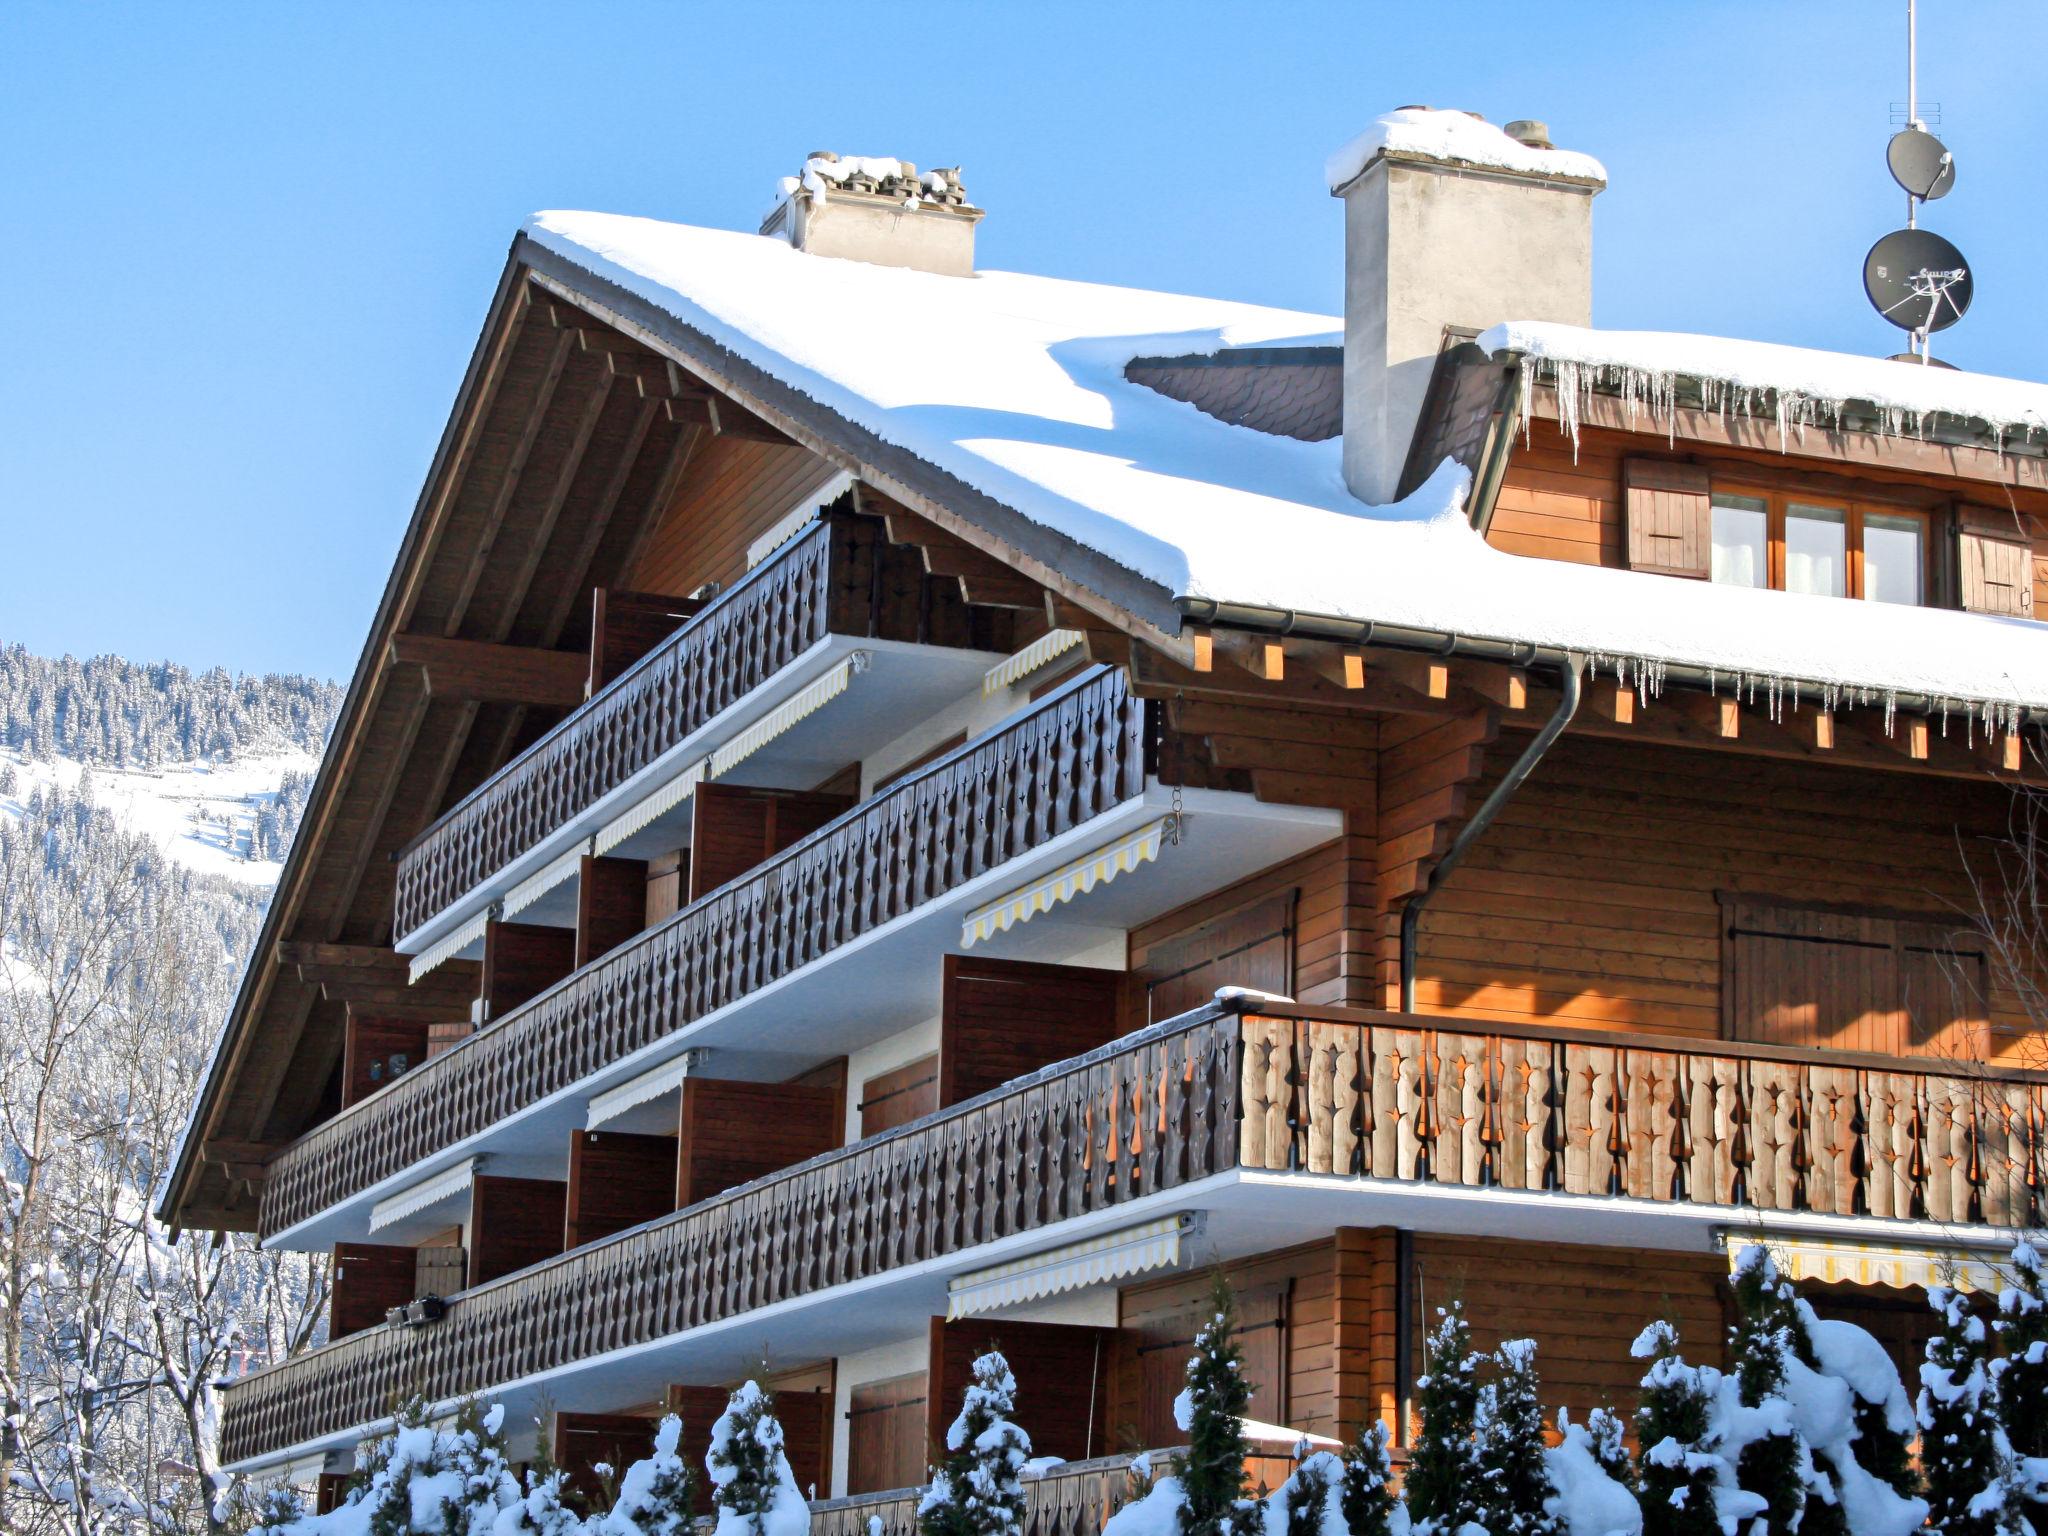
{"x": 1797, "y": 543}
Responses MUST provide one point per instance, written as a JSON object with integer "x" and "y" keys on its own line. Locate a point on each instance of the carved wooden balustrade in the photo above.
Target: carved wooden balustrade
{"x": 1077, "y": 755}
{"x": 1343, "y": 1093}
{"x": 1145, "y": 1114}
{"x": 1073, "y": 1499}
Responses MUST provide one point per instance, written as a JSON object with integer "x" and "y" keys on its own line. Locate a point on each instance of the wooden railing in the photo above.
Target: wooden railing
{"x": 1344, "y": 1093}
{"x": 1073, "y": 1499}
{"x": 819, "y": 583}
{"x": 1079, "y": 754}
{"x": 1137, "y": 1117}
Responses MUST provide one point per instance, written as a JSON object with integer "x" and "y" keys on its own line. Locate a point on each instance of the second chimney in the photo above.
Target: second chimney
{"x": 1447, "y": 221}
{"x": 864, "y": 208}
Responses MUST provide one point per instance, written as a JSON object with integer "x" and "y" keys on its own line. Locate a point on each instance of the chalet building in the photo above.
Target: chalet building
{"x": 889, "y": 806}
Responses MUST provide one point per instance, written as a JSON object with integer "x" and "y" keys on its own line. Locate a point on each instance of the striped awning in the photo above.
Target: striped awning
{"x": 1098, "y": 867}
{"x": 429, "y": 1191}
{"x": 1132, "y": 1251}
{"x": 447, "y": 947}
{"x": 771, "y": 725}
{"x": 651, "y": 1084}
{"x": 1903, "y": 1268}
{"x": 1054, "y": 642}
{"x": 535, "y": 886}
{"x": 645, "y": 811}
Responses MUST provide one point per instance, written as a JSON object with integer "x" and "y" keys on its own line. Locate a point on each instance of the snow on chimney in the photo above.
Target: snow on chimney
{"x": 1448, "y": 220}
{"x": 867, "y": 208}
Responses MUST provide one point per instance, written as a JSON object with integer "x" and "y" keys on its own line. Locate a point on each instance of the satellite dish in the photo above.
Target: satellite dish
{"x": 1917, "y": 280}
{"x": 1921, "y": 164}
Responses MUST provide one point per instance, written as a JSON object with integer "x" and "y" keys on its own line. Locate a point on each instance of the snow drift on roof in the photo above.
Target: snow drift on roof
{"x": 1458, "y": 137}
{"x": 1799, "y": 386}
{"x": 1015, "y": 386}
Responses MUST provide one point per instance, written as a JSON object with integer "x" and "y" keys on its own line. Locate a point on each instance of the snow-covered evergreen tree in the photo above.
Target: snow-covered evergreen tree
{"x": 752, "y": 1486}
{"x": 1964, "y": 1453}
{"x": 1368, "y": 1492}
{"x": 1678, "y": 1468}
{"x": 979, "y": 1491}
{"x": 658, "y": 1494}
{"x": 1210, "y": 1410}
{"x": 2020, "y": 1379}
{"x": 1444, "y": 1487}
{"x": 1310, "y": 1502}
{"x": 1515, "y": 1490}
{"x": 1773, "y": 1461}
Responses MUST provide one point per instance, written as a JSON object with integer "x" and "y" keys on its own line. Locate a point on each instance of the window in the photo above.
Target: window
{"x": 1821, "y": 547}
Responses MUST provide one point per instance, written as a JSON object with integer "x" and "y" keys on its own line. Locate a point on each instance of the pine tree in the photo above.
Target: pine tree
{"x": 1775, "y": 1464}
{"x": 277, "y": 1511}
{"x": 1305, "y": 1497}
{"x": 753, "y": 1486}
{"x": 1964, "y": 1453}
{"x": 2020, "y": 1380}
{"x": 1211, "y": 1412}
{"x": 1514, "y": 1481}
{"x": 1368, "y": 1494}
{"x": 658, "y": 1495}
{"x": 1607, "y": 1439}
{"x": 1676, "y": 1469}
{"x": 980, "y": 1490}
{"x": 1443, "y": 1487}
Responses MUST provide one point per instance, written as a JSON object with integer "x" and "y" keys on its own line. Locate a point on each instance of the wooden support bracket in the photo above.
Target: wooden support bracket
{"x": 494, "y": 674}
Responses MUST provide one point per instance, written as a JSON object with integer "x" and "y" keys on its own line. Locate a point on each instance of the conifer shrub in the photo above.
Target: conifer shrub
{"x": 1444, "y": 1487}
{"x": 1676, "y": 1471}
{"x": 979, "y": 1490}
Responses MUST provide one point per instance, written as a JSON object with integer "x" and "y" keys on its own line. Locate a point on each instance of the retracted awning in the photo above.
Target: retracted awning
{"x": 1901, "y": 1267}
{"x": 1071, "y": 879}
{"x": 410, "y": 1201}
{"x": 1054, "y": 642}
{"x": 1134, "y": 1250}
{"x": 771, "y": 725}
{"x": 651, "y": 1084}
{"x": 447, "y": 947}
{"x": 644, "y": 812}
{"x": 533, "y": 887}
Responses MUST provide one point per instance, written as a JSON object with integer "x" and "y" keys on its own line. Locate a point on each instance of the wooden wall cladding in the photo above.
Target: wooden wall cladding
{"x": 617, "y": 1180}
{"x": 732, "y": 1132}
{"x": 886, "y": 1445}
{"x": 1002, "y": 1018}
{"x": 735, "y": 492}
{"x": 583, "y": 1441}
{"x": 806, "y": 1434}
{"x": 624, "y": 626}
{"x": 376, "y": 1050}
{"x": 513, "y": 1223}
{"x": 1249, "y": 946}
{"x": 521, "y": 961}
{"x": 897, "y": 1097}
{"x": 369, "y": 1280}
{"x": 667, "y": 874}
{"x": 1063, "y": 1380}
{"x": 611, "y": 905}
{"x": 734, "y": 828}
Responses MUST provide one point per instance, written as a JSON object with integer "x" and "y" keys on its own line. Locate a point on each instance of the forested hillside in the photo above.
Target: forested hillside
{"x": 143, "y": 812}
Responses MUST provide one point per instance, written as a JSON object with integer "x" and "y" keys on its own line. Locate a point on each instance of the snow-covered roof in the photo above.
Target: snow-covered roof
{"x": 1014, "y": 386}
{"x": 1458, "y": 138}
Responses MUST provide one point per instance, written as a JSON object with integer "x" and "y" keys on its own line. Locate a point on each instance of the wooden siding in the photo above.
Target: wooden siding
{"x": 1592, "y": 900}
{"x": 737, "y": 491}
{"x": 1250, "y": 946}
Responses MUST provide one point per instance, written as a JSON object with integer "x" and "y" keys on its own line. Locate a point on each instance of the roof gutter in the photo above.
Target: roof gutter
{"x": 1504, "y": 791}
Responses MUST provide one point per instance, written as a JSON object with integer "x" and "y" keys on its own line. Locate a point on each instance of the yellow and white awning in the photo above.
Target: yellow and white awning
{"x": 1054, "y": 642}
{"x": 1132, "y": 1251}
{"x": 431, "y": 1190}
{"x": 447, "y": 947}
{"x": 771, "y": 725}
{"x": 1887, "y": 1264}
{"x": 1070, "y": 880}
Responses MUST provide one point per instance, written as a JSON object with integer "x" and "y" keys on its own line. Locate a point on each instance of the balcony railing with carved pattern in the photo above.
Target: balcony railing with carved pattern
{"x": 1080, "y": 754}
{"x": 1075, "y": 1498}
{"x": 1343, "y": 1093}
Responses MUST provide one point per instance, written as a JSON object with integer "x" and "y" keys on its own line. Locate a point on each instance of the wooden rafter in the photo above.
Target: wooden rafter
{"x": 485, "y": 672}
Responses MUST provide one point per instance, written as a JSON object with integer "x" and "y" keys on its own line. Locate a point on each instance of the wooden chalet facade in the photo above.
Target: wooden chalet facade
{"x": 769, "y": 899}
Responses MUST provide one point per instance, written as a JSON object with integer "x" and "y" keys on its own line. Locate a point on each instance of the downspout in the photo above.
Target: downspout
{"x": 1504, "y": 791}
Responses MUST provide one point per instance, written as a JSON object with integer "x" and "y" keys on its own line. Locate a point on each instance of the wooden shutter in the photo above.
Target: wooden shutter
{"x": 1164, "y": 1348}
{"x": 1252, "y": 946}
{"x": 890, "y": 1099}
{"x": 513, "y": 1223}
{"x": 624, "y": 626}
{"x": 375, "y": 1051}
{"x": 1062, "y": 1375}
{"x": 885, "y": 1443}
{"x": 521, "y": 961}
{"x": 440, "y": 1269}
{"x": 732, "y": 1132}
{"x": 1863, "y": 980}
{"x": 1002, "y": 1018}
{"x": 1994, "y": 562}
{"x": 617, "y": 1179}
{"x": 611, "y": 905}
{"x": 806, "y": 1419}
{"x": 583, "y": 1440}
{"x": 369, "y": 1280}
{"x": 733, "y": 828}
{"x": 1670, "y": 517}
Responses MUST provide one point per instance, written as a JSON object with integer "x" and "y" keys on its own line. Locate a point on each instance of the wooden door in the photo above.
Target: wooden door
{"x": 885, "y": 1435}
{"x": 369, "y": 1280}
{"x": 734, "y": 828}
{"x": 616, "y": 1180}
{"x": 1002, "y": 1018}
{"x": 513, "y": 1223}
{"x": 617, "y": 1440}
{"x": 1062, "y": 1377}
{"x": 611, "y": 905}
{"x": 521, "y": 961}
{"x": 1252, "y": 946}
{"x": 731, "y": 1132}
{"x": 1164, "y": 1347}
{"x": 897, "y": 1097}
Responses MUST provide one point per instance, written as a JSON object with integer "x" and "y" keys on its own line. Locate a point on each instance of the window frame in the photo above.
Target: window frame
{"x": 1854, "y": 509}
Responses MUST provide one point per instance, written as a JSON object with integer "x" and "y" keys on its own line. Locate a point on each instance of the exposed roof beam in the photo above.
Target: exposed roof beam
{"x": 494, "y": 674}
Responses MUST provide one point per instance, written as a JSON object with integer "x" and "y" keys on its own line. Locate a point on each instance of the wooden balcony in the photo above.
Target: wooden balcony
{"x": 842, "y": 577}
{"x": 1073, "y": 1499}
{"x": 1343, "y": 1100}
{"x": 1079, "y": 754}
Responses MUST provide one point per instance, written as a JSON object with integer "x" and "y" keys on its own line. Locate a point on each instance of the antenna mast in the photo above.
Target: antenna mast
{"x": 1913, "y": 95}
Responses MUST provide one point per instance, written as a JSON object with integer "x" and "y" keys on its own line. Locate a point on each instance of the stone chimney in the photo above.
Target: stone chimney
{"x": 1448, "y": 220}
{"x": 864, "y": 208}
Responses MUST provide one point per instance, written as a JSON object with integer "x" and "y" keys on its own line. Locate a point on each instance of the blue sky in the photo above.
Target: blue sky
{"x": 247, "y": 247}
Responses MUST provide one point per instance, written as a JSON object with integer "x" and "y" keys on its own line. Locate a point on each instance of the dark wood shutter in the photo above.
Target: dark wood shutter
{"x": 732, "y": 1132}
{"x": 806, "y": 1419}
{"x": 617, "y": 1180}
{"x": 1994, "y": 562}
{"x": 369, "y": 1280}
{"x": 377, "y": 1050}
{"x": 611, "y": 905}
{"x": 999, "y": 1019}
{"x": 513, "y": 1223}
{"x": 1252, "y": 946}
{"x": 1062, "y": 1376}
{"x": 1670, "y": 517}
{"x": 1164, "y": 1349}
{"x": 583, "y": 1441}
{"x": 885, "y": 1440}
{"x": 1819, "y": 976}
{"x": 890, "y": 1099}
{"x": 521, "y": 961}
{"x": 624, "y": 626}
{"x": 734, "y": 829}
